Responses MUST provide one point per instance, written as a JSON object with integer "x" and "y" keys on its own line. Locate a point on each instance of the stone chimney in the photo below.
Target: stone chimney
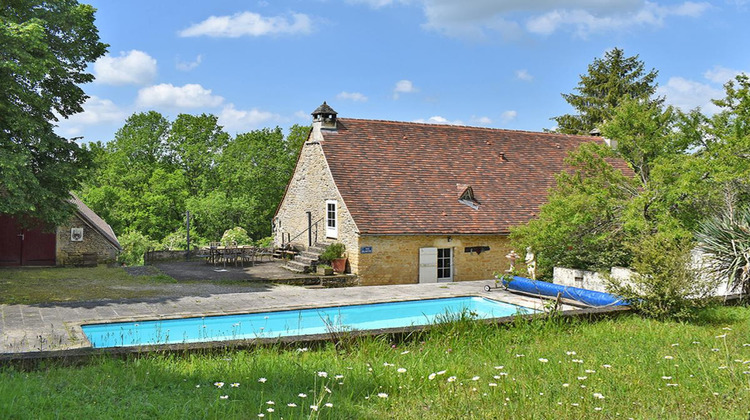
{"x": 324, "y": 118}
{"x": 609, "y": 142}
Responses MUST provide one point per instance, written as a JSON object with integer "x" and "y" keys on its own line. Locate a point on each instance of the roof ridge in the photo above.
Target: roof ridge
{"x": 472, "y": 127}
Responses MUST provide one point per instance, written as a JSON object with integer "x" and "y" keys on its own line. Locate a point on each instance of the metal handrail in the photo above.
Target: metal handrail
{"x": 315, "y": 224}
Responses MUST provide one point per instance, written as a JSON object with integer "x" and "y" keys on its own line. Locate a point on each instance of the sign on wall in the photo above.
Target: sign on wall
{"x": 76, "y": 234}
{"x": 365, "y": 250}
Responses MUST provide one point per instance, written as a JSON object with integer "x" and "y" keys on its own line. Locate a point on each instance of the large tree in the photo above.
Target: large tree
{"x": 609, "y": 81}
{"x": 46, "y": 46}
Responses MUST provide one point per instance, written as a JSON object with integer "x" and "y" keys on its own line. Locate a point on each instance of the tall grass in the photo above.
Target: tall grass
{"x": 556, "y": 368}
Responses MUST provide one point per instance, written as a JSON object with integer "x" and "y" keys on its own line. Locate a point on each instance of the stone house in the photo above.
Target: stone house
{"x": 417, "y": 202}
{"x": 85, "y": 239}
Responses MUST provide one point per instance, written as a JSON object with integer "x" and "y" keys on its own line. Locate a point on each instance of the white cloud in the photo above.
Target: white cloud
{"x": 508, "y": 116}
{"x": 130, "y": 68}
{"x": 439, "y": 120}
{"x": 238, "y": 120}
{"x": 688, "y": 94}
{"x": 250, "y": 24}
{"x": 481, "y": 120}
{"x": 96, "y": 111}
{"x": 403, "y": 86}
{"x": 524, "y": 75}
{"x": 352, "y": 96}
{"x": 509, "y": 18}
{"x": 167, "y": 95}
{"x": 375, "y": 4}
{"x": 189, "y": 65}
{"x": 721, "y": 75}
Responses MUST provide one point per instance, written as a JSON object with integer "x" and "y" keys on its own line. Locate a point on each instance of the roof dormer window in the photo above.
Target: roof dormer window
{"x": 467, "y": 198}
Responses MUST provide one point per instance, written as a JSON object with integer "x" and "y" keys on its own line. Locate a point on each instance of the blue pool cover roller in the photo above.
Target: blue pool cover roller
{"x": 588, "y": 297}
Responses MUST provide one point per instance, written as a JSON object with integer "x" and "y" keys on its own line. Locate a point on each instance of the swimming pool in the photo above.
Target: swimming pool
{"x": 295, "y": 322}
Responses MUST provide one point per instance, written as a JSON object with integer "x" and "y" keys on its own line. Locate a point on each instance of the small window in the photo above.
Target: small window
{"x": 444, "y": 264}
{"x": 467, "y": 198}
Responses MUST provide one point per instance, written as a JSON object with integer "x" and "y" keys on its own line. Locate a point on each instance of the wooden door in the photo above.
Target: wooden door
{"x": 10, "y": 241}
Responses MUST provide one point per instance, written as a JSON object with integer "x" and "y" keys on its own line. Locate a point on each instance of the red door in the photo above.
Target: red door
{"x": 25, "y": 246}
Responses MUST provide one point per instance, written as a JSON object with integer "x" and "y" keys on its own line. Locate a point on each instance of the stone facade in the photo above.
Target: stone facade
{"x": 71, "y": 252}
{"x": 395, "y": 258}
{"x": 311, "y": 186}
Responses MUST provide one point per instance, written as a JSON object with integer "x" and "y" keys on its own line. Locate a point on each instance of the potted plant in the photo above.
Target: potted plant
{"x": 334, "y": 254}
{"x": 325, "y": 269}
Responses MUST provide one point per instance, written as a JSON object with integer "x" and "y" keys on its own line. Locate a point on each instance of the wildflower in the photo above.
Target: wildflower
{"x": 270, "y": 410}
{"x": 722, "y": 367}
{"x": 598, "y": 408}
{"x": 224, "y": 397}
{"x": 543, "y": 360}
{"x": 746, "y": 345}
{"x": 382, "y": 395}
{"x": 338, "y": 377}
{"x": 520, "y": 355}
{"x": 401, "y": 370}
{"x": 302, "y": 395}
{"x": 727, "y": 329}
{"x": 577, "y": 361}
{"x": 673, "y": 384}
{"x": 452, "y": 379}
{"x": 262, "y": 380}
{"x": 323, "y": 374}
{"x": 565, "y": 385}
{"x": 499, "y": 367}
{"x": 582, "y": 378}
{"x": 666, "y": 378}
{"x": 314, "y": 407}
{"x": 270, "y": 402}
{"x": 574, "y": 404}
{"x": 261, "y": 415}
{"x": 492, "y": 384}
{"x": 696, "y": 342}
{"x": 570, "y": 353}
{"x": 675, "y": 344}
{"x": 714, "y": 349}
{"x": 598, "y": 395}
{"x": 432, "y": 376}
{"x": 303, "y": 349}
{"x": 476, "y": 378}
{"x": 405, "y": 352}
{"x": 198, "y": 386}
{"x": 328, "y": 390}
{"x": 503, "y": 373}
{"x": 329, "y": 405}
{"x": 590, "y": 371}
{"x": 442, "y": 372}
{"x": 219, "y": 384}
{"x": 721, "y": 336}
{"x": 668, "y": 357}
{"x": 291, "y": 405}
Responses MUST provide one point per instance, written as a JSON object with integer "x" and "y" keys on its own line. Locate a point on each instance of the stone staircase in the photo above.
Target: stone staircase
{"x": 306, "y": 261}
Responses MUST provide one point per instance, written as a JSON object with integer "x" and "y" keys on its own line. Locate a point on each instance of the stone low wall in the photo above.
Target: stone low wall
{"x": 171, "y": 255}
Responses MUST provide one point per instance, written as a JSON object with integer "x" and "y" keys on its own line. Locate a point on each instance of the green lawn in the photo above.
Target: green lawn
{"x": 42, "y": 285}
{"x": 626, "y": 367}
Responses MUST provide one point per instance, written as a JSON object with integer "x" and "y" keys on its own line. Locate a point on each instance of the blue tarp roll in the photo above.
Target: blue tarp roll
{"x": 588, "y": 297}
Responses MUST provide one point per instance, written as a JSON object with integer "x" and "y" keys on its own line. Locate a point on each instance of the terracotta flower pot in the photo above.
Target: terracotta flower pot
{"x": 339, "y": 265}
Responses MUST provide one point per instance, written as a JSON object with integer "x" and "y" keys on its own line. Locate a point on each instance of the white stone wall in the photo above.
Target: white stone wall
{"x": 310, "y": 187}
{"x": 578, "y": 278}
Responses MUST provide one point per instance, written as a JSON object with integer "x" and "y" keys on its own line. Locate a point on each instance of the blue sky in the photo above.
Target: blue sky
{"x": 489, "y": 63}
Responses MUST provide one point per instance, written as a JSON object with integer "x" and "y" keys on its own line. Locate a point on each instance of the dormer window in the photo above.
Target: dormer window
{"x": 467, "y": 198}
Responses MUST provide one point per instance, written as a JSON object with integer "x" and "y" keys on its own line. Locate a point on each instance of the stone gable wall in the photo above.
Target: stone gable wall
{"x": 395, "y": 258}
{"x": 311, "y": 185}
{"x": 71, "y": 252}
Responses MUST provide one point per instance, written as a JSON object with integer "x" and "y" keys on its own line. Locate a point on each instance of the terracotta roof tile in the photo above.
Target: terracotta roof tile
{"x": 402, "y": 178}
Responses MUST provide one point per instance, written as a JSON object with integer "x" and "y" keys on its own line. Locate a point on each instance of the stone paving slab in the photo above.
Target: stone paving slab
{"x": 29, "y": 328}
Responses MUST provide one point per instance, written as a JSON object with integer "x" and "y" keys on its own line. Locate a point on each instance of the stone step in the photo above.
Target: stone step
{"x": 306, "y": 260}
{"x": 315, "y": 249}
{"x": 296, "y": 267}
{"x": 310, "y": 255}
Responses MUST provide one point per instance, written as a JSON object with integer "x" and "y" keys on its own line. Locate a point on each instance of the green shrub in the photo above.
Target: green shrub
{"x": 725, "y": 239}
{"x": 333, "y": 251}
{"x": 235, "y": 235}
{"x": 665, "y": 284}
{"x": 178, "y": 240}
{"x": 264, "y": 242}
{"x": 134, "y": 245}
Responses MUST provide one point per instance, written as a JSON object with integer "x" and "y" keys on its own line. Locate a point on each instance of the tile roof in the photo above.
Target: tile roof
{"x": 94, "y": 220}
{"x": 406, "y": 178}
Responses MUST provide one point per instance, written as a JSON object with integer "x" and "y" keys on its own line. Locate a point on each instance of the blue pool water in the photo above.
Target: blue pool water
{"x": 294, "y": 322}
